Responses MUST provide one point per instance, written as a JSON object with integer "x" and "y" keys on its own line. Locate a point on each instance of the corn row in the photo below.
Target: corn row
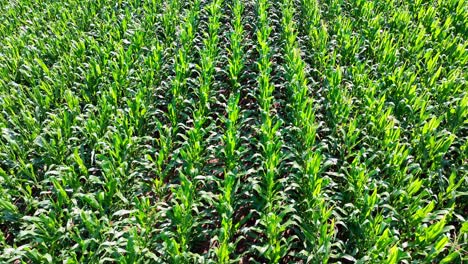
{"x": 231, "y": 140}
{"x": 272, "y": 214}
{"x": 236, "y": 58}
{"x": 316, "y": 224}
{"x": 182, "y": 63}
{"x": 192, "y": 151}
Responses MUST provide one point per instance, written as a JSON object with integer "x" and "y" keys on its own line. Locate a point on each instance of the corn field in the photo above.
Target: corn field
{"x": 233, "y": 131}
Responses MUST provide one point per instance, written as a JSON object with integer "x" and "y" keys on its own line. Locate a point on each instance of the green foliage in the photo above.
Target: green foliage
{"x": 227, "y": 131}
